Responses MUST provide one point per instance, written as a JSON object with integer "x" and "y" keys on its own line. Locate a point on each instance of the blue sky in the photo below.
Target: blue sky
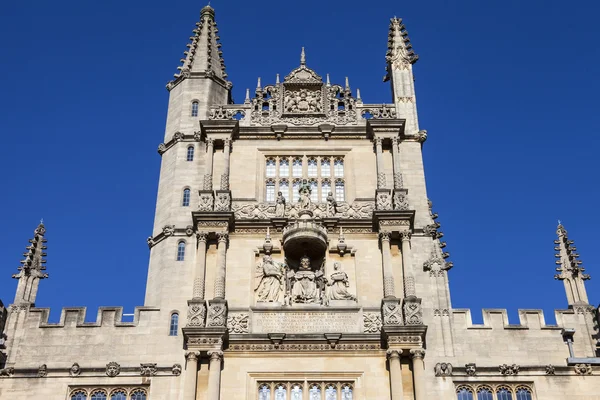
{"x": 506, "y": 89}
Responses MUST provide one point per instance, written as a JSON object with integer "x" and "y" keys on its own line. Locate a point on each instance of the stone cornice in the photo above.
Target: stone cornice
{"x": 304, "y": 343}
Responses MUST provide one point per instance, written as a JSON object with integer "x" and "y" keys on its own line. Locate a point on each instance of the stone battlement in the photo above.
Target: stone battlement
{"x": 75, "y": 317}
{"x": 497, "y": 318}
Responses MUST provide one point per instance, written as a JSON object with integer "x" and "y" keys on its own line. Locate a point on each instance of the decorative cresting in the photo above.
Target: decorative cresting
{"x": 204, "y": 57}
{"x": 305, "y": 237}
{"x": 570, "y": 270}
{"x": 303, "y": 99}
{"x": 31, "y": 270}
{"x": 400, "y": 53}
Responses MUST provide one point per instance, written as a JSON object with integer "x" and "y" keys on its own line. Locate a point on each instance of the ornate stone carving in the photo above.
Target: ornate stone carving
{"x": 381, "y": 180}
{"x": 176, "y": 369}
{"x": 583, "y": 369}
{"x": 356, "y": 210}
{"x": 178, "y": 137}
{"x": 280, "y": 205}
{"x": 550, "y": 369}
{"x": 113, "y": 369}
{"x": 75, "y": 370}
{"x": 372, "y": 322}
{"x": 198, "y": 136}
{"x": 189, "y": 230}
{"x": 379, "y": 111}
{"x": 506, "y": 369}
{"x": 306, "y": 284}
{"x": 331, "y": 205}
{"x": 432, "y": 230}
{"x": 384, "y": 200}
{"x": 269, "y": 280}
{"x": 168, "y": 230}
{"x": 238, "y": 323}
{"x": 215, "y": 355}
{"x": 417, "y": 353}
{"x": 436, "y": 265}
{"x": 9, "y": 371}
{"x": 148, "y": 369}
{"x": 223, "y": 201}
{"x": 162, "y": 148}
{"x": 303, "y": 347}
{"x": 207, "y": 182}
{"x": 443, "y": 369}
{"x": 190, "y": 356}
{"x": 412, "y": 311}
{"x": 42, "y": 371}
{"x": 225, "y": 182}
{"x": 217, "y": 314}
{"x": 206, "y": 201}
{"x": 222, "y": 113}
{"x": 196, "y": 313}
{"x": 401, "y": 200}
{"x": 338, "y": 285}
{"x": 304, "y": 193}
{"x": 392, "y": 312}
{"x": 151, "y": 242}
{"x": 471, "y": 369}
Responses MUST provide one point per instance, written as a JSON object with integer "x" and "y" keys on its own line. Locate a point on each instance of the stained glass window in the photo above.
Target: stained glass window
{"x": 280, "y": 392}
{"x": 325, "y": 189}
{"x": 346, "y": 392}
{"x": 339, "y": 190}
{"x": 270, "y": 190}
{"x": 338, "y": 167}
{"x": 174, "y": 325}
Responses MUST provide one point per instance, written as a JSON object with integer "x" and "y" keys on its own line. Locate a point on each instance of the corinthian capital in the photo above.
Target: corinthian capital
{"x": 393, "y": 354}
{"x": 215, "y": 355}
{"x": 417, "y": 353}
{"x": 385, "y": 235}
{"x": 223, "y": 237}
{"x": 201, "y": 236}
{"x": 405, "y": 235}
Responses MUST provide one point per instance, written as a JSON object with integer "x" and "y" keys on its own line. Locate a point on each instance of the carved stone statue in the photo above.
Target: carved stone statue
{"x": 305, "y": 288}
{"x": 269, "y": 275}
{"x": 331, "y": 205}
{"x": 338, "y": 285}
{"x": 280, "y": 205}
{"x": 305, "y": 192}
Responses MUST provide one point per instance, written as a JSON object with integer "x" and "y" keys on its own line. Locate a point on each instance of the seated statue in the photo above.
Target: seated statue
{"x": 305, "y": 288}
{"x": 269, "y": 284}
{"x": 338, "y": 285}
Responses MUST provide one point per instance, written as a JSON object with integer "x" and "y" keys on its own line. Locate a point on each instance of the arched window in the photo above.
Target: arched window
{"x": 325, "y": 189}
{"x": 464, "y": 393}
{"x": 98, "y": 395}
{"x": 314, "y": 392}
{"x": 338, "y": 167}
{"x": 79, "y": 395}
{"x": 314, "y": 190}
{"x": 280, "y": 391}
{"x": 523, "y": 393}
{"x": 270, "y": 167}
{"x": 325, "y": 167}
{"x": 331, "y": 392}
{"x": 312, "y": 167}
{"x": 504, "y": 393}
{"x": 174, "y": 325}
{"x": 181, "y": 251}
{"x": 296, "y": 392}
{"x": 194, "y": 108}
{"x": 190, "y": 153}
{"x": 186, "y": 197}
{"x": 339, "y": 190}
{"x": 118, "y": 395}
{"x": 484, "y": 393}
{"x": 297, "y": 167}
{"x": 284, "y": 188}
{"x": 270, "y": 190}
{"x": 264, "y": 392}
{"x": 284, "y": 167}
{"x": 347, "y": 392}
{"x": 138, "y": 395}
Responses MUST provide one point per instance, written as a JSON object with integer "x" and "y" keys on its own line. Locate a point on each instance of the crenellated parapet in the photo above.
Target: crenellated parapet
{"x": 106, "y": 317}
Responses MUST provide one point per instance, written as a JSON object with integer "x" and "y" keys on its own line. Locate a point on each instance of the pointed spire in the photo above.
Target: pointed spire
{"x": 303, "y": 57}
{"x": 347, "y": 85}
{"x": 400, "y": 53}
{"x": 570, "y": 270}
{"x": 203, "y": 56}
{"x": 358, "y": 94}
{"x": 277, "y": 79}
{"x": 328, "y": 83}
{"x": 30, "y": 271}
{"x": 258, "y": 86}
{"x": 247, "y": 99}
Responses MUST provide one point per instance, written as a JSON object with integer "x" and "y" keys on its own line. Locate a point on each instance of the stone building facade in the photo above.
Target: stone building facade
{"x": 295, "y": 256}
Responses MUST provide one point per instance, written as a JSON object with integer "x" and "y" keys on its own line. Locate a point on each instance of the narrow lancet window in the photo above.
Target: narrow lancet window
{"x": 186, "y": 198}
{"x": 174, "y": 325}
{"x": 284, "y": 167}
{"x": 270, "y": 190}
{"x": 338, "y": 167}
{"x": 347, "y": 392}
{"x": 325, "y": 167}
{"x": 314, "y": 393}
{"x": 297, "y": 167}
{"x": 523, "y": 394}
{"x": 312, "y": 167}
{"x": 484, "y": 393}
{"x": 181, "y": 251}
{"x": 270, "y": 167}
{"x": 194, "y": 108}
{"x": 264, "y": 392}
{"x": 504, "y": 393}
{"x": 331, "y": 392}
{"x": 190, "y": 153}
{"x": 339, "y": 190}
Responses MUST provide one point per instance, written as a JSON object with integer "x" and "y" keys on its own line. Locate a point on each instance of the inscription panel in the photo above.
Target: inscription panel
{"x": 306, "y": 322}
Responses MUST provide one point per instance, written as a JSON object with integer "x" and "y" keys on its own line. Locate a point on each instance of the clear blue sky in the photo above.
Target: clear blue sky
{"x": 508, "y": 91}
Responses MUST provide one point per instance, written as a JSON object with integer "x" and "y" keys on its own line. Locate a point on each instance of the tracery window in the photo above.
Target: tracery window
{"x": 523, "y": 393}
{"x": 279, "y": 177}
{"x": 503, "y": 393}
{"x": 174, "y": 324}
{"x": 185, "y": 201}
{"x": 121, "y": 393}
{"x": 194, "y": 108}
{"x": 346, "y": 392}
{"x": 138, "y": 395}
{"x": 190, "y": 153}
{"x": 484, "y": 393}
{"x": 464, "y": 393}
{"x": 264, "y": 392}
{"x": 118, "y": 395}
{"x": 494, "y": 392}
{"x": 181, "y": 251}
{"x": 331, "y": 392}
{"x": 295, "y": 390}
{"x": 99, "y": 395}
{"x": 79, "y": 395}
{"x": 314, "y": 393}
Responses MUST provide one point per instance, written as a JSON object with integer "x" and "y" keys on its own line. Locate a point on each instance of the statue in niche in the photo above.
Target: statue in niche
{"x": 305, "y": 283}
{"x": 280, "y": 205}
{"x": 331, "y": 205}
{"x": 269, "y": 277}
{"x": 305, "y": 191}
{"x": 338, "y": 285}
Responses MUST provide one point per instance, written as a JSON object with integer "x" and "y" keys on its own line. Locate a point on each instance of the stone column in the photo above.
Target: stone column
{"x": 210, "y": 153}
{"x": 199, "y": 282}
{"x": 388, "y": 273}
{"x": 396, "y": 164}
{"x": 221, "y": 265}
{"x": 395, "y": 374}
{"x": 225, "y": 176}
{"x": 408, "y": 278}
{"x": 380, "y": 170}
{"x": 418, "y": 371}
{"x": 191, "y": 375}
{"x": 214, "y": 375}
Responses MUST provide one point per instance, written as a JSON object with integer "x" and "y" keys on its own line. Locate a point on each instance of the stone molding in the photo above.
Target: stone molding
{"x": 98, "y": 371}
